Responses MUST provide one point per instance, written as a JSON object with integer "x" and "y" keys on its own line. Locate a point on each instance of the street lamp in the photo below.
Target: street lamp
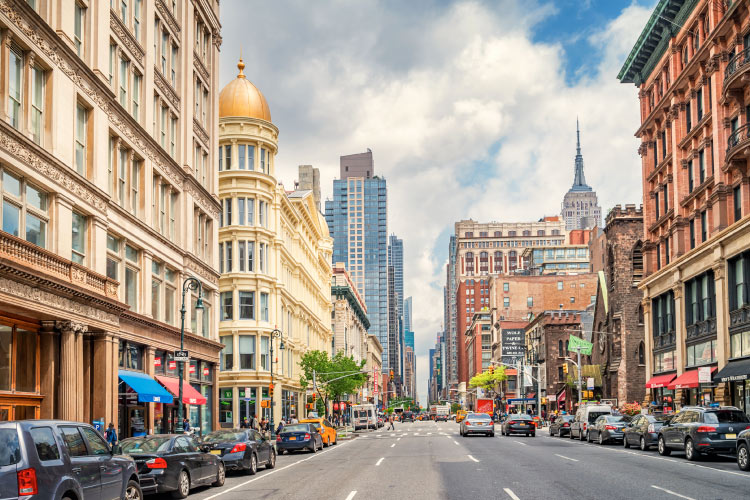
{"x": 275, "y": 334}
{"x": 190, "y": 283}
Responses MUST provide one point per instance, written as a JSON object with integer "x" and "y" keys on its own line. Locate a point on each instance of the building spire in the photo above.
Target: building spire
{"x": 579, "y": 180}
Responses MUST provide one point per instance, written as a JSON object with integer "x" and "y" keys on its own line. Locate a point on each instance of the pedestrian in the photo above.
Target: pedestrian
{"x": 254, "y": 422}
{"x": 111, "y": 434}
{"x": 390, "y": 423}
{"x": 186, "y": 426}
{"x": 294, "y": 420}
{"x": 280, "y": 426}
{"x": 244, "y": 424}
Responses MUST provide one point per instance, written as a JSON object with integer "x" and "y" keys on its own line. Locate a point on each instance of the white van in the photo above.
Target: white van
{"x": 585, "y": 417}
{"x": 364, "y": 417}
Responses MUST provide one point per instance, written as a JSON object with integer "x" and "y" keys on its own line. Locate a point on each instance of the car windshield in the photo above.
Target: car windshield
{"x": 479, "y": 416}
{"x": 725, "y": 417}
{"x": 614, "y": 419}
{"x": 225, "y": 436}
{"x": 596, "y": 414}
{"x": 296, "y": 428}
{"x": 568, "y": 418}
{"x": 145, "y": 444}
{"x": 520, "y": 417}
{"x": 10, "y": 452}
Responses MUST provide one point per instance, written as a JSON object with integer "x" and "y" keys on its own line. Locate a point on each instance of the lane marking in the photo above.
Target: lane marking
{"x": 394, "y": 444}
{"x": 378, "y": 462}
{"x": 268, "y": 473}
{"x": 351, "y": 495}
{"x": 455, "y": 441}
{"x": 472, "y": 458}
{"x": 671, "y": 492}
{"x": 566, "y": 458}
{"x": 398, "y": 439}
{"x": 510, "y": 493}
{"x": 519, "y": 442}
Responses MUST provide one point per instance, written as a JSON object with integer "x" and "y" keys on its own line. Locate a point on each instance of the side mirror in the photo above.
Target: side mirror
{"x": 205, "y": 448}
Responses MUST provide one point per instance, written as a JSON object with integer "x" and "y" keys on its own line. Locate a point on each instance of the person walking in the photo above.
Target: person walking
{"x": 111, "y": 434}
{"x": 186, "y": 426}
{"x": 390, "y": 423}
{"x": 280, "y": 427}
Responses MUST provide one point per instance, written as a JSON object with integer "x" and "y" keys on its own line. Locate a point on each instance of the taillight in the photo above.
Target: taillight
{"x": 610, "y": 427}
{"x": 278, "y": 438}
{"x": 705, "y": 428}
{"x": 27, "y": 482}
{"x": 651, "y": 428}
{"x": 238, "y": 448}
{"x": 584, "y": 426}
{"x": 307, "y": 436}
{"x": 566, "y": 425}
{"x": 156, "y": 463}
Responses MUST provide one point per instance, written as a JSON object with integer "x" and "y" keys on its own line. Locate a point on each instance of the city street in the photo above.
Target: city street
{"x": 427, "y": 460}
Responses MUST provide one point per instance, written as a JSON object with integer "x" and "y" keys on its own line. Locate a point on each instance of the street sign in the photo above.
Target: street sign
{"x": 182, "y": 356}
{"x": 590, "y": 383}
{"x": 704, "y": 375}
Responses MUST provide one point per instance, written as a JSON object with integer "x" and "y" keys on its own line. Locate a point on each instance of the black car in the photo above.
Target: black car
{"x": 58, "y": 459}
{"x": 561, "y": 425}
{"x": 518, "y": 424}
{"x": 743, "y": 450}
{"x": 699, "y": 430}
{"x": 607, "y": 428}
{"x": 173, "y": 463}
{"x": 296, "y": 437}
{"x": 643, "y": 431}
{"x": 240, "y": 449}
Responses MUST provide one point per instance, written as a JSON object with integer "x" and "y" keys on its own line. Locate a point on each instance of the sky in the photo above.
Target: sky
{"x": 469, "y": 107}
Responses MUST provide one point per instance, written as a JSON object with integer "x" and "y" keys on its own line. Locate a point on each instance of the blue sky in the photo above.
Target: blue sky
{"x": 469, "y": 107}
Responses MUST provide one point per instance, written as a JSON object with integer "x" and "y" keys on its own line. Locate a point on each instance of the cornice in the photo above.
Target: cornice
{"x": 166, "y": 89}
{"x": 200, "y": 132}
{"x": 169, "y": 330}
{"x": 202, "y": 71}
{"x": 201, "y": 269}
{"x": 126, "y": 38}
{"x": 200, "y": 195}
{"x": 168, "y": 18}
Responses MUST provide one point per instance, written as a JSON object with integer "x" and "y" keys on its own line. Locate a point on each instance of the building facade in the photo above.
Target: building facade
{"x": 349, "y": 321}
{"x": 309, "y": 180}
{"x": 108, "y": 205}
{"x": 563, "y": 259}
{"x": 275, "y": 264}
{"x": 580, "y": 206}
{"x": 693, "y": 95}
{"x": 374, "y": 367}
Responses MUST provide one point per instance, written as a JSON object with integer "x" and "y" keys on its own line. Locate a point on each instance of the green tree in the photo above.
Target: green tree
{"x": 455, "y": 407}
{"x": 334, "y": 377}
{"x": 488, "y": 380}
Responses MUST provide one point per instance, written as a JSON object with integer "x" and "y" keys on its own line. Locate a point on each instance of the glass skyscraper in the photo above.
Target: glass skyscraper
{"x": 357, "y": 218}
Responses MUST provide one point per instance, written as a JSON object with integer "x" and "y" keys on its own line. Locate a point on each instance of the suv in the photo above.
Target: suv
{"x": 699, "y": 430}
{"x": 60, "y": 460}
{"x": 585, "y": 418}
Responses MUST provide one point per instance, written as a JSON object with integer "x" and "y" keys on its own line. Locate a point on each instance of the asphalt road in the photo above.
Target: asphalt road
{"x": 427, "y": 460}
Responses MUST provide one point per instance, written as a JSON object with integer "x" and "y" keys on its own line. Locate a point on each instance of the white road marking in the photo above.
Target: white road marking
{"x": 519, "y": 442}
{"x": 566, "y": 458}
{"x": 472, "y": 458}
{"x": 455, "y": 441}
{"x": 511, "y": 494}
{"x": 378, "y": 462}
{"x": 429, "y": 433}
{"x": 398, "y": 439}
{"x": 671, "y": 492}
{"x": 351, "y": 495}
{"x": 394, "y": 444}
{"x": 416, "y": 434}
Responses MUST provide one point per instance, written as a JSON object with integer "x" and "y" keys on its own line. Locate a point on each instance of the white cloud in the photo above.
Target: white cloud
{"x": 466, "y": 115}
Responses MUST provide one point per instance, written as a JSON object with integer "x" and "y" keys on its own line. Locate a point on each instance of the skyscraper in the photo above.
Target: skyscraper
{"x": 357, "y": 220}
{"x": 407, "y": 314}
{"x": 396, "y": 260}
{"x": 580, "y": 207}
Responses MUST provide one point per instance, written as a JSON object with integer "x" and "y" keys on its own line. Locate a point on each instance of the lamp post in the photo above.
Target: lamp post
{"x": 275, "y": 333}
{"x": 190, "y": 283}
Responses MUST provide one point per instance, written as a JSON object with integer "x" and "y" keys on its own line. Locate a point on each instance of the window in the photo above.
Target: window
{"x": 172, "y": 134}
{"x": 250, "y": 256}
{"x": 691, "y": 176}
{"x": 173, "y": 64}
{"x": 530, "y": 301}
{"x": 15, "y": 86}
{"x": 247, "y": 305}
{"x": 228, "y": 157}
{"x": 130, "y": 356}
{"x": 739, "y": 277}
{"x": 96, "y": 444}
{"x": 692, "y": 233}
{"x": 137, "y": 19}
{"x": 739, "y": 344}
{"x": 23, "y": 209}
{"x": 701, "y": 166}
{"x": 131, "y": 277}
{"x": 164, "y": 49}
{"x": 506, "y": 287}
{"x": 124, "y": 66}
{"x": 73, "y": 441}
{"x": 227, "y": 308}
{"x": 247, "y": 352}
{"x": 737, "y": 202}
{"x": 79, "y": 238}
{"x": 82, "y": 115}
{"x": 699, "y": 101}
{"x": 44, "y": 441}
{"x": 156, "y": 287}
{"x": 656, "y": 205}
{"x": 163, "y": 130}
{"x": 506, "y": 301}
{"x": 221, "y": 258}
{"x": 658, "y": 256}
{"x": 700, "y": 298}
{"x": 37, "y": 104}
{"x": 663, "y": 315}
{"x": 228, "y": 211}
{"x": 19, "y": 350}
{"x": 227, "y": 353}
{"x": 688, "y": 115}
{"x": 559, "y": 285}
{"x": 641, "y": 353}
{"x": 704, "y": 226}
{"x": 701, "y": 354}
{"x": 262, "y": 257}
{"x": 265, "y": 357}
{"x": 79, "y": 24}
{"x": 136, "y": 102}
{"x": 572, "y": 300}
{"x": 229, "y": 268}
{"x": 560, "y": 373}
{"x": 263, "y": 306}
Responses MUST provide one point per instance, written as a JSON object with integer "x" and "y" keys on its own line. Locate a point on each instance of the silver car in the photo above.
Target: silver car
{"x": 477, "y": 423}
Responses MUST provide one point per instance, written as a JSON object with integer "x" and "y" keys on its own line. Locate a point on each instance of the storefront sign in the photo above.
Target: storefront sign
{"x": 172, "y": 365}
{"x": 343, "y": 406}
{"x": 206, "y": 372}
{"x": 157, "y": 361}
{"x": 590, "y": 383}
{"x": 513, "y": 344}
{"x": 335, "y": 406}
{"x": 552, "y": 398}
{"x": 191, "y": 369}
{"x": 183, "y": 356}
{"x": 704, "y": 375}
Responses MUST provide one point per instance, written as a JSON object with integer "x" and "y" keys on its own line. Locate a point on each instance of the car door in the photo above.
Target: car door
{"x": 85, "y": 467}
{"x": 672, "y": 434}
{"x": 262, "y": 447}
{"x": 110, "y": 471}
{"x": 188, "y": 455}
{"x": 630, "y": 432}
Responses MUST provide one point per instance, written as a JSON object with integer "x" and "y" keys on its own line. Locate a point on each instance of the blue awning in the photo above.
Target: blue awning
{"x": 148, "y": 389}
{"x": 528, "y": 400}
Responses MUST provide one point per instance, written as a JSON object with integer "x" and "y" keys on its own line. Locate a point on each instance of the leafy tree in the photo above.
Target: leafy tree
{"x": 334, "y": 377}
{"x": 455, "y": 407}
{"x": 488, "y": 380}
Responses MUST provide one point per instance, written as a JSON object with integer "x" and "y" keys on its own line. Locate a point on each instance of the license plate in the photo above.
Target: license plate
{"x": 731, "y": 436}
{"x": 292, "y": 438}
{"x": 522, "y": 425}
{"x": 215, "y": 452}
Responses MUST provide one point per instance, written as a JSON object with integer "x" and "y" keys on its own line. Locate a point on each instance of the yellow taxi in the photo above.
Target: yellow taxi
{"x": 460, "y": 415}
{"x": 327, "y": 430}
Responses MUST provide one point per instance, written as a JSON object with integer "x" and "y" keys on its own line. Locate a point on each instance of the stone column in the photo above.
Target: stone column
{"x": 149, "y": 368}
{"x": 29, "y": 57}
{"x": 723, "y": 394}
{"x": 104, "y": 397}
{"x": 48, "y": 365}
{"x": 68, "y": 400}
{"x": 680, "y": 351}
{"x": 87, "y": 386}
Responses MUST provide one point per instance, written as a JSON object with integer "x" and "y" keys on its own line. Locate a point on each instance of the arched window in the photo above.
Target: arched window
{"x": 498, "y": 264}
{"x": 560, "y": 348}
{"x": 610, "y": 267}
{"x": 641, "y": 354}
{"x": 640, "y": 314}
{"x": 637, "y": 262}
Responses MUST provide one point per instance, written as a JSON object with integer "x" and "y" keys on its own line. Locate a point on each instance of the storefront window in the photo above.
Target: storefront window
{"x": 740, "y": 344}
{"x": 19, "y": 351}
{"x": 206, "y": 413}
{"x": 171, "y": 365}
{"x": 288, "y": 404}
{"x": 266, "y": 412}
{"x": 247, "y": 403}
{"x": 701, "y": 354}
{"x": 160, "y": 362}
{"x": 664, "y": 362}
{"x": 130, "y": 356}
{"x": 159, "y": 418}
{"x": 225, "y": 406}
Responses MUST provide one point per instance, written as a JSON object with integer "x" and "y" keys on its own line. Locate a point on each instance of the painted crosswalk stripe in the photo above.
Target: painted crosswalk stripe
{"x": 511, "y": 494}
{"x": 472, "y": 458}
{"x": 378, "y": 462}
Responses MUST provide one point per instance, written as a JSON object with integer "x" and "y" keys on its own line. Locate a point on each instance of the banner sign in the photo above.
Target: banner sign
{"x": 575, "y": 343}
{"x": 513, "y": 341}
{"x": 704, "y": 375}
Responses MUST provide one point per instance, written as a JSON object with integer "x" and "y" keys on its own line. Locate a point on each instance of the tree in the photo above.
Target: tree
{"x": 333, "y": 377}
{"x": 455, "y": 407}
{"x": 488, "y": 380}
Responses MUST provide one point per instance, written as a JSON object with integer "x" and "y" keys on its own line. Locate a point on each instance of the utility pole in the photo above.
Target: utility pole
{"x": 580, "y": 399}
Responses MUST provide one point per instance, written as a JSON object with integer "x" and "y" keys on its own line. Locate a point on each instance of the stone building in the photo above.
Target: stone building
{"x": 108, "y": 203}
{"x": 580, "y": 206}
{"x": 349, "y": 320}
{"x": 374, "y": 366}
{"x": 691, "y": 66}
{"x": 618, "y": 315}
{"x": 274, "y": 258}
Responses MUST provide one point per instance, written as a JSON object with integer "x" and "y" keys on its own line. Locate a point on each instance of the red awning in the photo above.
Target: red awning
{"x": 660, "y": 381}
{"x": 687, "y": 380}
{"x": 561, "y": 396}
{"x": 189, "y": 395}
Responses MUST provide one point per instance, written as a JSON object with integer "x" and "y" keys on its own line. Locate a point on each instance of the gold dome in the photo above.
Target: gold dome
{"x": 242, "y": 98}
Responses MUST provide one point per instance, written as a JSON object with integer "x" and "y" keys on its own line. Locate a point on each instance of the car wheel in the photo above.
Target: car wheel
{"x": 601, "y": 439}
{"x": 625, "y": 443}
{"x": 253, "y": 465}
{"x": 183, "y": 485}
{"x": 335, "y": 441}
{"x": 663, "y": 450}
{"x": 589, "y": 439}
{"x": 527, "y": 434}
{"x": 581, "y": 436}
{"x": 221, "y": 475}
{"x": 492, "y": 434}
{"x": 642, "y": 444}
{"x": 133, "y": 491}
{"x": 272, "y": 460}
{"x": 690, "y": 452}
{"x": 533, "y": 434}
{"x": 743, "y": 457}
{"x": 315, "y": 446}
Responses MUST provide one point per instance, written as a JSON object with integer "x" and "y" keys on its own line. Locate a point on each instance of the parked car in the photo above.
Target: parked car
{"x": 172, "y": 463}
{"x": 58, "y": 459}
{"x": 561, "y": 425}
{"x": 743, "y": 450}
{"x": 607, "y": 428}
{"x": 518, "y": 424}
{"x": 240, "y": 449}
{"x": 326, "y": 429}
{"x": 643, "y": 431}
{"x": 477, "y": 423}
{"x": 299, "y": 437}
{"x": 698, "y": 430}
{"x": 585, "y": 417}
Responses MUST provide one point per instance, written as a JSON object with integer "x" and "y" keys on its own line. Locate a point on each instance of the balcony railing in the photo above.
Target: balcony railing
{"x": 735, "y": 63}
{"x": 738, "y": 136}
{"x": 739, "y": 319}
{"x": 668, "y": 339}
{"x": 701, "y": 329}
{"x": 27, "y": 254}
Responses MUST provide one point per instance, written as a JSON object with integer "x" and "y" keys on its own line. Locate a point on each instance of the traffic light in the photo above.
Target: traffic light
{"x": 270, "y": 390}
{"x": 565, "y": 368}
{"x": 391, "y": 376}
{"x": 492, "y": 369}
{"x": 315, "y": 396}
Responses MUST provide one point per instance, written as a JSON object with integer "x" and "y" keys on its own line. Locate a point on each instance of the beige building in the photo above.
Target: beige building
{"x": 374, "y": 367}
{"x": 349, "y": 320}
{"x": 275, "y": 256}
{"x": 108, "y": 204}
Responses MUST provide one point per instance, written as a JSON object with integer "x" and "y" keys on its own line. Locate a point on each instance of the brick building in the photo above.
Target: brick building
{"x": 618, "y": 311}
